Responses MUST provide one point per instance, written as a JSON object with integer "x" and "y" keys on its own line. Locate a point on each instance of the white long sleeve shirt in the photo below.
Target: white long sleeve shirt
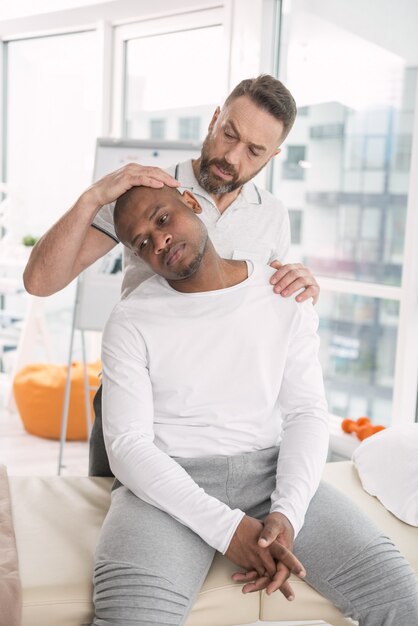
{"x": 214, "y": 373}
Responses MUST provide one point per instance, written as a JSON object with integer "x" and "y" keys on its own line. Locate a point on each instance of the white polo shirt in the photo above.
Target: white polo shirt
{"x": 255, "y": 226}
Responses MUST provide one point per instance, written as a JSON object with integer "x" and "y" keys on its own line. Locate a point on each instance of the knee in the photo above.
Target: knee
{"x": 379, "y": 586}
{"x": 125, "y": 594}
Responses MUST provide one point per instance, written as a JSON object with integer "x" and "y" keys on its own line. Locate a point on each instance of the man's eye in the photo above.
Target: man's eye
{"x": 143, "y": 244}
{"x": 254, "y": 152}
{"x": 228, "y": 135}
{"x": 162, "y": 219}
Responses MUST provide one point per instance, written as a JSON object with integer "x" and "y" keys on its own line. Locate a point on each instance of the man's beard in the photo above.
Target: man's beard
{"x": 212, "y": 183}
{"x": 195, "y": 263}
{"x": 191, "y": 269}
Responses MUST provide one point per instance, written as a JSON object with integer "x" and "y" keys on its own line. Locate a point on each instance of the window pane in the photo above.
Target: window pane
{"x": 358, "y": 349}
{"x": 52, "y": 123}
{"x": 355, "y": 87}
{"x": 157, "y": 129}
{"x": 181, "y": 88}
{"x": 53, "y": 117}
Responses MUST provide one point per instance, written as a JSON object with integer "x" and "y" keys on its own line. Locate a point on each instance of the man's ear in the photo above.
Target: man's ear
{"x": 191, "y": 201}
{"x": 214, "y": 118}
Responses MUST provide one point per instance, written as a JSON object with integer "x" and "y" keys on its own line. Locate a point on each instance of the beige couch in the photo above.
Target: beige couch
{"x": 57, "y": 521}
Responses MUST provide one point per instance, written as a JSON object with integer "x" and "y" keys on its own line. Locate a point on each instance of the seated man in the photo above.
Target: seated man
{"x": 215, "y": 425}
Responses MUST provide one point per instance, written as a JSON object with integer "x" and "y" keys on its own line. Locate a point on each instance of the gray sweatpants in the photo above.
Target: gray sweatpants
{"x": 149, "y": 567}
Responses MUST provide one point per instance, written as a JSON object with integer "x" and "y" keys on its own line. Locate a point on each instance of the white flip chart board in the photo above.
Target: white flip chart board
{"x": 99, "y": 286}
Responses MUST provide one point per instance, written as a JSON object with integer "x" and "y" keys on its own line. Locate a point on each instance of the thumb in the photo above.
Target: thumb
{"x": 276, "y": 264}
{"x": 268, "y": 535}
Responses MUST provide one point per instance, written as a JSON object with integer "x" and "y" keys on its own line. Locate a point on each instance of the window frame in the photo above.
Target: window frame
{"x": 217, "y": 15}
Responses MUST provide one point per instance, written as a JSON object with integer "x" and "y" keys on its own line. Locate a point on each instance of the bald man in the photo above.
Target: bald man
{"x": 215, "y": 425}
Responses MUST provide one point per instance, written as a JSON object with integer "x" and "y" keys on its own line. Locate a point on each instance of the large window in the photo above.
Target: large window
{"x": 52, "y": 124}
{"x": 173, "y": 70}
{"x": 52, "y": 99}
{"x": 346, "y": 171}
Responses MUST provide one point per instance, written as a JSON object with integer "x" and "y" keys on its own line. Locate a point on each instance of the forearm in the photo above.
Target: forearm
{"x": 159, "y": 480}
{"x": 304, "y": 444}
{"x": 57, "y": 257}
{"x": 302, "y": 456}
{"x": 128, "y": 427}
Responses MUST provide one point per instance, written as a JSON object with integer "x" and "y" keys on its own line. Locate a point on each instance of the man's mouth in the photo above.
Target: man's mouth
{"x": 174, "y": 254}
{"x": 221, "y": 173}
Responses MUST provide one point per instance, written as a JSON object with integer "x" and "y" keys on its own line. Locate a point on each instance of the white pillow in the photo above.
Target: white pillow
{"x": 387, "y": 463}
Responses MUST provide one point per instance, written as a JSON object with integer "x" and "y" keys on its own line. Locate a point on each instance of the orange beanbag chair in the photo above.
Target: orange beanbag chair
{"x": 39, "y": 395}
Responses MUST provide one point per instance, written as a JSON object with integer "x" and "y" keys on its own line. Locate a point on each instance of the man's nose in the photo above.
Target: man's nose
{"x": 234, "y": 154}
{"x": 161, "y": 241}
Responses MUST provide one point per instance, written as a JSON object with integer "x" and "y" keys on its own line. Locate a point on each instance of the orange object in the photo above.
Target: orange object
{"x": 362, "y": 427}
{"x": 39, "y": 394}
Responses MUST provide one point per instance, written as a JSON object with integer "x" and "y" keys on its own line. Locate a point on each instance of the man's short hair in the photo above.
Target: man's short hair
{"x": 271, "y": 95}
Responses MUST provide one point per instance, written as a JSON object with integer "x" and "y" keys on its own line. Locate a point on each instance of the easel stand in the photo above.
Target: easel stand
{"x": 87, "y": 388}
{"x": 96, "y": 294}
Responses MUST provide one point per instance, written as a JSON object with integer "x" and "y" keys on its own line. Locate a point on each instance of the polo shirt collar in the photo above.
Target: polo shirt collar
{"x": 185, "y": 175}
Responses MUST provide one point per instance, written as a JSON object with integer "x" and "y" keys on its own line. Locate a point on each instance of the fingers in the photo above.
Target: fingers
{"x": 279, "y": 581}
{"x": 113, "y": 185}
{"x": 276, "y": 525}
{"x": 291, "y": 288}
{"x": 261, "y": 583}
{"x": 285, "y": 270}
{"x": 146, "y": 181}
{"x": 286, "y": 590}
{"x": 244, "y": 577}
{"x": 269, "y": 533}
{"x": 309, "y": 292}
{"x": 287, "y": 558}
{"x": 253, "y": 582}
{"x": 149, "y": 176}
{"x": 291, "y": 278}
{"x": 276, "y": 264}
{"x": 268, "y": 563}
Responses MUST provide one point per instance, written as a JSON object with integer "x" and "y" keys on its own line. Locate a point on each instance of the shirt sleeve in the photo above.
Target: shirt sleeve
{"x": 104, "y": 221}
{"x": 282, "y": 246}
{"x": 128, "y": 417}
{"x": 305, "y": 437}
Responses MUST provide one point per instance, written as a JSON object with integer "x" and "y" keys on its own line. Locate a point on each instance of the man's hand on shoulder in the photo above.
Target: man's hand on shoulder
{"x": 110, "y": 187}
{"x": 264, "y": 551}
{"x": 292, "y": 277}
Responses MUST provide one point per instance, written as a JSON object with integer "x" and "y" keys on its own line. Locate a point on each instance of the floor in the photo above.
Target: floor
{"x": 24, "y": 454}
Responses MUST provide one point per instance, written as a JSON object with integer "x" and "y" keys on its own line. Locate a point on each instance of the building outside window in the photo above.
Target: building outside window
{"x": 157, "y": 129}
{"x": 356, "y": 131}
{"x": 296, "y": 225}
{"x": 189, "y": 128}
{"x": 293, "y": 166}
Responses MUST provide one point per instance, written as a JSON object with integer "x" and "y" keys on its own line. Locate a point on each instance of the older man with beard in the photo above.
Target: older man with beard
{"x": 243, "y": 221}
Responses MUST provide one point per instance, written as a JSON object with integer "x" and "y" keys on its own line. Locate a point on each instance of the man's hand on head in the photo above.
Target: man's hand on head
{"x": 113, "y": 185}
{"x": 292, "y": 277}
{"x": 264, "y": 551}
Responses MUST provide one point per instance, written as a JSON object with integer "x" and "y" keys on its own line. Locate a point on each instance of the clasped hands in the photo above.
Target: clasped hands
{"x": 264, "y": 550}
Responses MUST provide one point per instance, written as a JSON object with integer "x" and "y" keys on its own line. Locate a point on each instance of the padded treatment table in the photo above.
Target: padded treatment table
{"x": 57, "y": 521}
